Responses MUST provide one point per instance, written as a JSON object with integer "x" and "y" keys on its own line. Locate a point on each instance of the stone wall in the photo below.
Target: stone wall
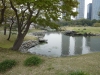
{"x": 27, "y": 45}
{"x": 31, "y": 43}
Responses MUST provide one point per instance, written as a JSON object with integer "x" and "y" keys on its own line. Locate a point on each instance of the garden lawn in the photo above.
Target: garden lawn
{"x": 94, "y": 30}
{"x": 89, "y": 63}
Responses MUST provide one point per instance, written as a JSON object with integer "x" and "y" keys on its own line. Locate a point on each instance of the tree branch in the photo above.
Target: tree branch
{"x": 15, "y": 10}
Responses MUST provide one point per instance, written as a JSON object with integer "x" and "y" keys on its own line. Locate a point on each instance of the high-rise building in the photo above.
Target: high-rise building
{"x": 80, "y": 9}
{"x": 89, "y": 11}
{"x": 95, "y": 9}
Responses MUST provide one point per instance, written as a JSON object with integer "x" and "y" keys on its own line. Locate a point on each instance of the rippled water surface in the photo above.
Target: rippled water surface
{"x": 62, "y": 45}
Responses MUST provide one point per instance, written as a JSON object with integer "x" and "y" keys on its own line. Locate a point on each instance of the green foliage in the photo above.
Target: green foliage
{"x": 96, "y": 25}
{"x": 78, "y": 73}
{"x": 6, "y": 65}
{"x": 81, "y": 22}
{"x": 33, "y": 61}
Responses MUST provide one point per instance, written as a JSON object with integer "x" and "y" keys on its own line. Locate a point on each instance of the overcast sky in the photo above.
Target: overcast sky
{"x": 86, "y": 3}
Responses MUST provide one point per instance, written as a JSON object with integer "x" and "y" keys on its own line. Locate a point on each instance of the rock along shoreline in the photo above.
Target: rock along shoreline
{"x": 26, "y": 45}
{"x": 74, "y": 33}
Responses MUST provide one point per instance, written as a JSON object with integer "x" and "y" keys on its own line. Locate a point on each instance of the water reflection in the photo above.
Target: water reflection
{"x": 72, "y": 45}
{"x": 85, "y": 45}
{"x": 65, "y": 45}
{"x": 52, "y": 48}
{"x": 62, "y": 45}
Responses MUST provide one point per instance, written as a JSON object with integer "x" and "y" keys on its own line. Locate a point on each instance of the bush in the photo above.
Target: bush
{"x": 78, "y": 73}
{"x": 7, "y": 64}
{"x": 96, "y": 25}
{"x": 34, "y": 60}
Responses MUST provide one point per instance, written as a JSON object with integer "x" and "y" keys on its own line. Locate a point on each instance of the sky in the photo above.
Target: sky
{"x": 86, "y": 3}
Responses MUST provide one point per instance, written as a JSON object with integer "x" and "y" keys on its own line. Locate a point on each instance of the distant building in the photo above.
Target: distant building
{"x": 89, "y": 11}
{"x": 80, "y": 9}
{"x": 95, "y": 9}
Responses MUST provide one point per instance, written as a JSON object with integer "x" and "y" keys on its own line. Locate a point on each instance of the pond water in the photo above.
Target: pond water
{"x": 62, "y": 45}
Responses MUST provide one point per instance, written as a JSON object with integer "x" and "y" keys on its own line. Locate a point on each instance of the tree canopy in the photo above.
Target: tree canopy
{"x": 41, "y": 12}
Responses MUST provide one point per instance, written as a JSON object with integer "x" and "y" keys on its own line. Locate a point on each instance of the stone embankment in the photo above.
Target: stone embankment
{"x": 32, "y": 43}
{"x": 39, "y": 34}
{"x": 74, "y": 33}
{"x": 27, "y": 45}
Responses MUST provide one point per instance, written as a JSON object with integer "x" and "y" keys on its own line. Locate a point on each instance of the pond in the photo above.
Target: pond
{"x": 62, "y": 45}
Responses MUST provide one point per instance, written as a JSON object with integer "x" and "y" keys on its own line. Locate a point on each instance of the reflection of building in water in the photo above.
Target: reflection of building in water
{"x": 72, "y": 46}
{"x": 78, "y": 45}
{"x": 65, "y": 45}
{"x": 85, "y": 45}
{"x": 95, "y": 44}
{"x": 88, "y": 39}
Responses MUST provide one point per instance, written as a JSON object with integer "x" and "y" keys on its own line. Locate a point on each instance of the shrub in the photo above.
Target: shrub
{"x": 78, "y": 73}
{"x": 34, "y": 60}
{"x": 7, "y": 64}
{"x": 96, "y": 25}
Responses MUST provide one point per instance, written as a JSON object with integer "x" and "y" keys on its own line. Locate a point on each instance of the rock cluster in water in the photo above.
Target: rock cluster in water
{"x": 74, "y": 33}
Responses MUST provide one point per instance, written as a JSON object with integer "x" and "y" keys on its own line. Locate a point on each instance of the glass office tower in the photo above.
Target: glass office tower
{"x": 95, "y": 9}
{"x": 89, "y": 11}
{"x": 80, "y": 9}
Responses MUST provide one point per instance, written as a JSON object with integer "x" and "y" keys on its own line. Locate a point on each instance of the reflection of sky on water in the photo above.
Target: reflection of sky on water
{"x": 71, "y": 45}
{"x": 62, "y": 45}
{"x": 52, "y": 48}
{"x": 85, "y": 47}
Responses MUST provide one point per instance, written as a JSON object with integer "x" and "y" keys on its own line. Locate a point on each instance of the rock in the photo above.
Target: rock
{"x": 27, "y": 45}
{"x": 74, "y": 33}
{"x": 71, "y": 33}
{"x": 40, "y": 34}
{"x": 41, "y": 40}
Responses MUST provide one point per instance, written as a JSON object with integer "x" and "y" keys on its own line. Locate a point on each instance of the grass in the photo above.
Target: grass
{"x": 78, "y": 73}
{"x": 35, "y": 30}
{"x": 6, "y": 65}
{"x": 4, "y": 43}
{"x": 95, "y": 30}
{"x": 89, "y": 63}
{"x": 33, "y": 61}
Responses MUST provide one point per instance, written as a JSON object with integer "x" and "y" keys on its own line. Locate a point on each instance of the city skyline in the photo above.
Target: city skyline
{"x": 95, "y": 9}
{"x": 87, "y": 11}
{"x": 86, "y": 3}
{"x": 80, "y": 9}
{"x": 85, "y": 8}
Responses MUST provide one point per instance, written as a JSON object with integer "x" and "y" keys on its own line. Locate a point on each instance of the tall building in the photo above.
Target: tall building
{"x": 95, "y": 9}
{"x": 89, "y": 11}
{"x": 80, "y": 9}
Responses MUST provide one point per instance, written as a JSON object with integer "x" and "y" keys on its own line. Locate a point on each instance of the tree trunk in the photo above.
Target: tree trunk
{"x": 2, "y": 11}
{"x": 5, "y": 30}
{"x": 10, "y": 28}
{"x": 18, "y": 42}
{"x": 9, "y": 33}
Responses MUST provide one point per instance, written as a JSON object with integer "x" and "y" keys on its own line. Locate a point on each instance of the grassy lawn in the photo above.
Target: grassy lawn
{"x": 4, "y": 43}
{"x": 89, "y": 63}
{"x": 95, "y": 30}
